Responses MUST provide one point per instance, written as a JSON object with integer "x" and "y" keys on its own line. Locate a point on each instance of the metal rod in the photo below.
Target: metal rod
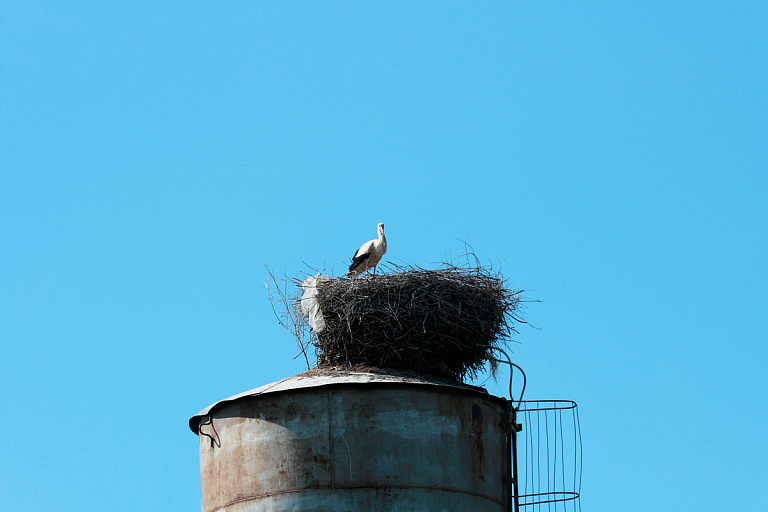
{"x": 509, "y": 478}
{"x": 515, "y": 429}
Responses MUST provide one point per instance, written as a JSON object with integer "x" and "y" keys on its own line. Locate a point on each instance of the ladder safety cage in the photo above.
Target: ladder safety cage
{"x": 547, "y": 456}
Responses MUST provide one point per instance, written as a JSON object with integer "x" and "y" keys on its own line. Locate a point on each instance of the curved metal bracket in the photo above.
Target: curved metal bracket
{"x": 214, "y": 441}
{"x": 511, "y": 375}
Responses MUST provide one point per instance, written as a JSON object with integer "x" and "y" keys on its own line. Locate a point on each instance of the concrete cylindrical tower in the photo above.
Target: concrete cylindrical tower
{"x": 354, "y": 441}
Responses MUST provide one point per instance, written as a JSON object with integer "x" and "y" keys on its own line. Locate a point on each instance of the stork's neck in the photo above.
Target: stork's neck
{"x": 382, "y": 239}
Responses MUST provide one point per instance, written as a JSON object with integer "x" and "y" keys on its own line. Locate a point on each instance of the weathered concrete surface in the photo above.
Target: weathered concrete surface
{"x": 355, "y": 446}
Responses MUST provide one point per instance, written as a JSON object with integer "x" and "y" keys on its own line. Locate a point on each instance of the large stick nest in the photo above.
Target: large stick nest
{"x": 441, "y": 323}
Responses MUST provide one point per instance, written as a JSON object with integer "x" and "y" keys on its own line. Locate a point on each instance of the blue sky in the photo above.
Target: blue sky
{"x": 609, "y": 156}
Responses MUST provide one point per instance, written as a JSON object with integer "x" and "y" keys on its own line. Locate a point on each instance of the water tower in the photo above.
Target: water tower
{"x": 349, "y": 441}
{"x": 385, "y": 421}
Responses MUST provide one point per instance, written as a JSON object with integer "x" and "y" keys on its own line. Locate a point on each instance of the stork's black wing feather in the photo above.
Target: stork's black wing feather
{"x": 358, "y": 259}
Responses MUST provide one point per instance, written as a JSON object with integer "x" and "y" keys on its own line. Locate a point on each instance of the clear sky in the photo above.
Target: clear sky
{"x": 610, "y": 156}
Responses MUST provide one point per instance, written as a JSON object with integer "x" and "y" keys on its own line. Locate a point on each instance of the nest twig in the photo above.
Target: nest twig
{"x": 289, "y": 314}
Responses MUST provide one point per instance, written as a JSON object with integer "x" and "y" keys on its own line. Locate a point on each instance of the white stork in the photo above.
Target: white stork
{"x": 369, "y": 254}
{"x": 309, "y": 305}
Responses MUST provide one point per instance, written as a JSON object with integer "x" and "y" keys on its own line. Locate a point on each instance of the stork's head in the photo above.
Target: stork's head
{"x": 381, "y": 228}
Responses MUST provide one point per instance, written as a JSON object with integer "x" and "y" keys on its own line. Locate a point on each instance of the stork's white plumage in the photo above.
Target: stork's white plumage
{"x": 309, "y": 305}
{"x": 369, "y": 254}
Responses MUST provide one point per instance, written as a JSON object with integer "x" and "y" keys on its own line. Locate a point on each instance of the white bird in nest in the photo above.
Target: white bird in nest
{"x": 369, "y": 254}
{"x": 310, "y": 308}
